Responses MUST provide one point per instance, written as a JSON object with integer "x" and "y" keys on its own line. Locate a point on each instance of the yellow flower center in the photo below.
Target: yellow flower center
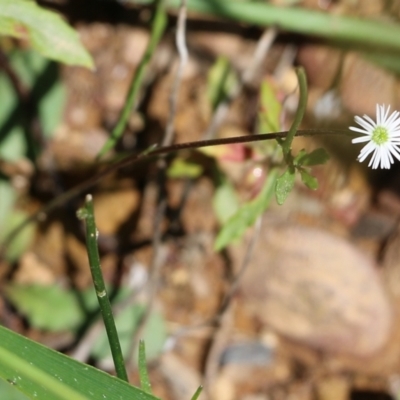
{"x": 380, "y": 135}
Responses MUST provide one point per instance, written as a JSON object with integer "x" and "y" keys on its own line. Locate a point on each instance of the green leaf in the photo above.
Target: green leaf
{"x": 24, "y": 239}
{"x": 10, "y": 219}
{"x": 225, "y": 201}
{"x": 143, "y": 373}
{"x": 41, "y": 77}
{"x": 284, "y": 185}
{"x": 197, "y": 393}
{"x": 12, "y": 139}
{"x": 48, "y": 90}
{"x": 47, "y": 307}
{"x": 309, "y": 180}
{"x": 270, "y": 109}
{"x": 51, "y": 108}
{"x": 45, "y": 374}
{"x": 181, "y": 168}
{"x": 7, "y": 196}
{"x": 45, "y": 30}
{"x": 9, "y": 391}
{"x": 221, "y": 81}
{"x": 247, "y": 214}
{"x": 127, "y": 321}
{"x": 316, "y": 157}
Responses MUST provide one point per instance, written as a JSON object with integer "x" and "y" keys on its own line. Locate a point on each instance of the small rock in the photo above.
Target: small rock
{"x": 253, "y": 353}
{"x": 333, "y": 388}
{"x": 318, "y": 289}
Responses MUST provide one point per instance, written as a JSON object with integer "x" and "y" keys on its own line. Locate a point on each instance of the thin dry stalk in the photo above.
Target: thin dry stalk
{"x": 261, "y": 52}
{"x": 158, "y": 249}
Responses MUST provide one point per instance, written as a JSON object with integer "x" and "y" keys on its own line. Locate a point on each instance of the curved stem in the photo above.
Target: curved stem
{"x": 301, "y": 109}
{"x": 147, "y": 155}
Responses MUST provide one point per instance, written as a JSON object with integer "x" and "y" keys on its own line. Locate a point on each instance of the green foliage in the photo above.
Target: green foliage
{"x": 284, "y": 185}
{"x": 309, "y": 180}
{"x": 54, "y": 308}
{"x": 197, "y": 393}
{"x": 127, "y": 322}
{"x": 225, "y": 201}
{"x": 285, "y": 182}
{"x": 13, "y": 144}
{"x": 7, "y": 196}
{"x": 9, "y": 391}
{"x": 10, "y": 219}
{"x": 221, "y": 82}
{"x": 143, "y": 373}
{"x": 181, "y": 168}
{"x": 45, "y": 30}
{"x": 158, "y": 26}
{"x": 247, "y": 214}
{"x": 45, "y": 374}
{"x": 316, "y": 157}
{"x": 48, "y": 307}
{"x": 270, "y": 109}
{"x": 40, "y": 77}
{"x": 351, "y": 31}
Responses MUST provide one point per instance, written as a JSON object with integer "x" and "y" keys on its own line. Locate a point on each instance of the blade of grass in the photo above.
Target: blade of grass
{"x": 299, "y": 20}
{"x": 158, "y": 27}
{"x": 143, "y": 373}
{"x": 62, "y": 371}
{"x": 25, "y": 371}
{"x": 197, "y": 393}
{"x": 87, "y": 214}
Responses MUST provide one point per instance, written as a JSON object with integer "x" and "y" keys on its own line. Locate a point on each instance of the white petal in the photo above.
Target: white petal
{"x": 352, "y": 128}
{"x": 361, "y": 139}
{"x": 367, "y": 123}
{"x": 365, "y": 151}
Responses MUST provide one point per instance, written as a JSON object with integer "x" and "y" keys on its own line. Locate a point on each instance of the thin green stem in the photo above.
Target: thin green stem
{"x": 301, "y": 109}
{"x": 143, "y": 373}
{"x": 87, "y": 213}
{"x": 157, "y": 29}
{"x": 197, "y": 393}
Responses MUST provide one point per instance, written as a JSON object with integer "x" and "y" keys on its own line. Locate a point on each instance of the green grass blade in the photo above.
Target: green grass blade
{"x": 300, "y": 20}
{"x": 143, "y": 373}
{"x": 197, "y": 393}
{"x": 42, "y": 373}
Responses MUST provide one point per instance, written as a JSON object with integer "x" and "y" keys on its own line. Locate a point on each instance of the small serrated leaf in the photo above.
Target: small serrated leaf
{"x": 310, "y": 181}
{"x": 300, "y": 155}
{"x": 284, "y": 185}
{"x": 316, "y": 157}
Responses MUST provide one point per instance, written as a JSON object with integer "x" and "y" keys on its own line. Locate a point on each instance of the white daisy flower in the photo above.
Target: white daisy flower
{"x": 383, "y": 137}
